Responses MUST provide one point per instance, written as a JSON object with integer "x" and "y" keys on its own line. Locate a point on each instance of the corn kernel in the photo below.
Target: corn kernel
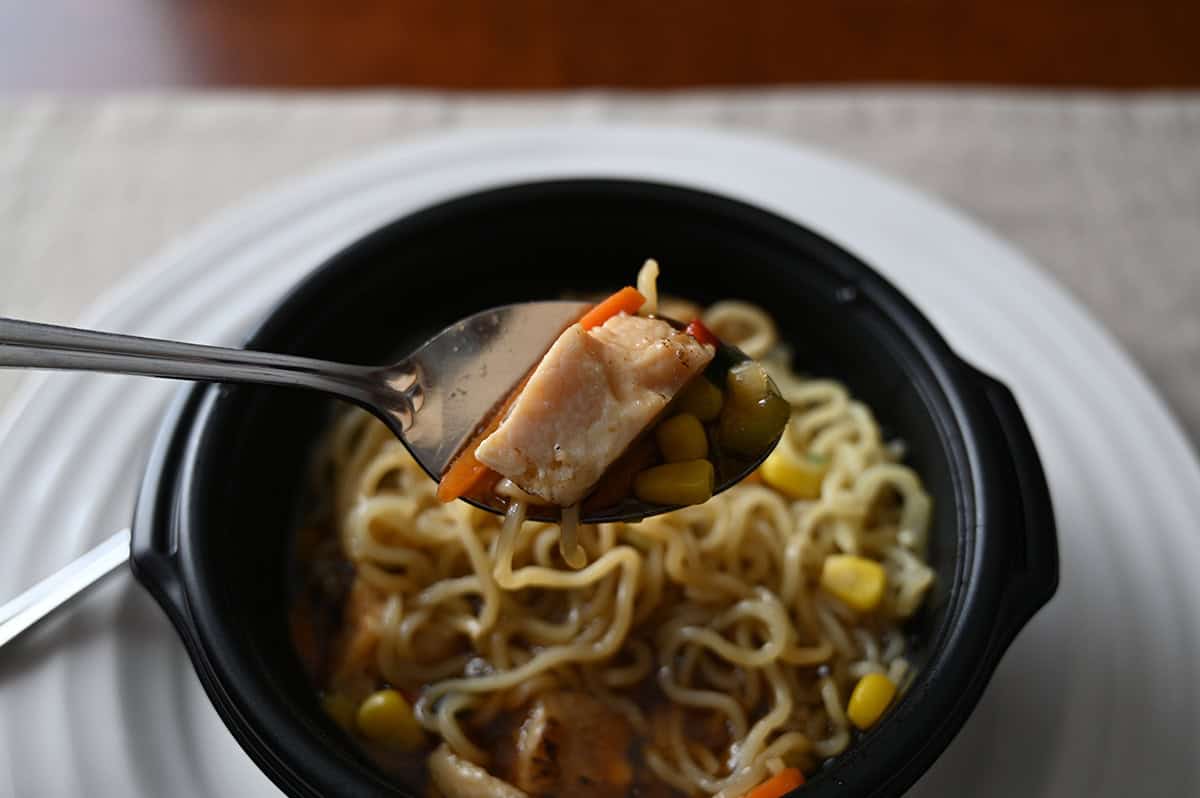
{"x": 690, "y": 482}
{"x": 701, "y": 398}
{"x": 872, "y": 695}
{"x": 857, "y": 581}
{"x": 681, "y": 438}
{"x": 798, "y": 475}
{"x": 386, "y": 718}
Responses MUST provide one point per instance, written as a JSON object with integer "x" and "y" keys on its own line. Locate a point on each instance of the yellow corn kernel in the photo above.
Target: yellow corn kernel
{"x": 796, "y": 474}
{"x": 857, "y": 581}
{"x": 690, "y": 482}
{"x": 680, "y": 438}
{"x": 340, "y": 708}
{"x": 872, "y": 695}
{"x": 386, "y": 718}
{"x": 701, "y": 398}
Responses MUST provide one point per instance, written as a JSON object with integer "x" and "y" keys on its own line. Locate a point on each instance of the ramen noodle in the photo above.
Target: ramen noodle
{"x": 700, "y": 652}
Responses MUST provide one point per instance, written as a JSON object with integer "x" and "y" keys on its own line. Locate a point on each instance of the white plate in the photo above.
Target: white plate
{"x": 1097, "y": 697}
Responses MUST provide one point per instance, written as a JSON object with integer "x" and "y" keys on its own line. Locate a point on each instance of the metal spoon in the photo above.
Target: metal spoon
{"x": 433, "y": 400}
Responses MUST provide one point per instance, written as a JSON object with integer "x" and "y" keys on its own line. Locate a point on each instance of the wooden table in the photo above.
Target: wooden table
{"x": 548, "y": 44}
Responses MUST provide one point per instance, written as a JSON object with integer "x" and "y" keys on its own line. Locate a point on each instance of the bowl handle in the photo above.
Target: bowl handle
{"x": 153, "y": 546}
{"x": 158, "y": 571}
{"x": 1033, "y": 549}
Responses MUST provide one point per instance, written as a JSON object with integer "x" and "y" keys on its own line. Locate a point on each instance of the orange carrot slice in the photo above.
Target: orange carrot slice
{"x": 627, "y": 300}
{"x": 778, "y": 785}
{"x": 466, "y": 472}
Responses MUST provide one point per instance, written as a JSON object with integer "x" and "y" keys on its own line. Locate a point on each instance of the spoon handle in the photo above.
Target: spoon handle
{"x": 37, "y": 602}
{"x": 28, "y": 344}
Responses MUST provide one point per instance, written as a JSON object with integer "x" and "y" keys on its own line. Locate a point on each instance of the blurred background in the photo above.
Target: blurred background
{"x": 1071, "y": 128}
{"x": 557, "y": 44}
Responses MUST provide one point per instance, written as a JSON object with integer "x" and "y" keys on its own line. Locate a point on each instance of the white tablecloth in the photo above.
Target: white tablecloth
{"x": 1102, "y": 190}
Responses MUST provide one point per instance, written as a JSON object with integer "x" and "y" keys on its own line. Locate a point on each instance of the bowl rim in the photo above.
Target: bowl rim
{"x": 1004, "y": 586}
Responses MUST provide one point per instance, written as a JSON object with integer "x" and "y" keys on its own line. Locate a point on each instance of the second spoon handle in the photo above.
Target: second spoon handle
{"x": 37, "y": 602}
{"x": 31, "y": 344}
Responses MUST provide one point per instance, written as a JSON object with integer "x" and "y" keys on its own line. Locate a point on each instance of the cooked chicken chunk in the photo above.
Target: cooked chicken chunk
{"x": 588, "y": 399}
{"x": 572, "y": 744}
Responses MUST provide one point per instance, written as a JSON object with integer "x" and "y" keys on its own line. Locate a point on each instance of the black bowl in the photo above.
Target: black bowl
{"x": 220, "y": 498}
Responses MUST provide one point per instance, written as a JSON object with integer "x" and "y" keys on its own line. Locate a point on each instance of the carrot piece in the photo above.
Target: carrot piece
{"x": 778, "y": 785}
{"x": 466, "y": 472}
{"x": 627, "y": 300}
{"x": 702, "y": 334}
{"x": 462, "y": 475}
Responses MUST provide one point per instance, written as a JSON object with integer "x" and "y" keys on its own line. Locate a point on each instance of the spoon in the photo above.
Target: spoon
{"x": 434, "y": 401}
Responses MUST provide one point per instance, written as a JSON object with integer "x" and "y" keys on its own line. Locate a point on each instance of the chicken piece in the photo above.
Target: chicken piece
{"x": 593, "y": 393}
{"x": 572, "y": 744}
{"x": 455, "y": 777}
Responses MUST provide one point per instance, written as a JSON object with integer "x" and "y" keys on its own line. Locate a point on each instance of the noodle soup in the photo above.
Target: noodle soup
{"x": 697, "y": 653}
